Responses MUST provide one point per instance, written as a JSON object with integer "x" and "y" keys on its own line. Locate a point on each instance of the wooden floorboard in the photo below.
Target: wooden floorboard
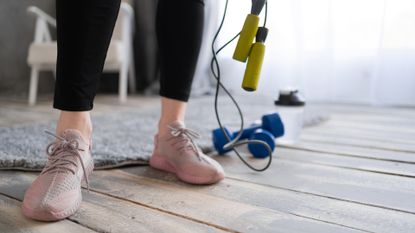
{"x": 363, "y": 138}
{"x": 165, "y": 197}
{"x": 376, "y": 129}
{"x": 12, "y": 220}
{"x": 403, "y": 131}
{"x": 232, "y": 212}
{"x": 386, "y": 191}
{"x": 344, "y": 109}
{"x": 350, "y": 141}
{"x": 105, "y": 213}
{"x": 353, "y": 151}
{"x": 347, "y": 132}
{"x": 187, "y": 201}
{"x": 381, "y": 122}
{"x": 351, "y": 173}
{"x": 16, "y": 113}
{"x": 345, "y": 161}
{"x": 297, "y": 203}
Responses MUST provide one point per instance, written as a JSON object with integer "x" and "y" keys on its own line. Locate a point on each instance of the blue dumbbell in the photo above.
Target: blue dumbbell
{"x": 219, "y": 139}
{"x": 271, "y": 124}
{"x": 258, "y": 150}
{"x": 247, "y": 132}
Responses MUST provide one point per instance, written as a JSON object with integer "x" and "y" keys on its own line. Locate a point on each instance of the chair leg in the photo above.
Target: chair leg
{"x": 34, "y": 78}
{"x": 131, "y": 74}
{"x": 123, "y": 84}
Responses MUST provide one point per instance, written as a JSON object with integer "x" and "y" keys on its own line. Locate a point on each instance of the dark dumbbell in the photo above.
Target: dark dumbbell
{"x": 219, "y": 139}
{"x": 270, "y": 128}
{"x": 247, "y": 132}
{"x": 259, "y": 150}
{"x": 270, "y": 122}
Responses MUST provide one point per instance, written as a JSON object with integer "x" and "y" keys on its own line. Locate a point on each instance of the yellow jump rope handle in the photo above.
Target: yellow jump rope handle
{"x": 253, "y": 68}
{"x": 246, "y": 38}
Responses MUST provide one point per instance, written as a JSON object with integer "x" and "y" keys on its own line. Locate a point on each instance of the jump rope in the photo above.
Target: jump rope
{"x": 242, "y": 52}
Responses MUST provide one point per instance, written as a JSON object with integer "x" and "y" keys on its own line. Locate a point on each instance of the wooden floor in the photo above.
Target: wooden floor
{"x": 353, "y": 173}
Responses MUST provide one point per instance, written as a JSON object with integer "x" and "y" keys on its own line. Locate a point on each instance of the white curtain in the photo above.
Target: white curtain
{"x": 353, "y": 51}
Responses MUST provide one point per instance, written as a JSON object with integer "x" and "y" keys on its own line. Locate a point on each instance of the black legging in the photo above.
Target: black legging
{"x": 84, "y": 30}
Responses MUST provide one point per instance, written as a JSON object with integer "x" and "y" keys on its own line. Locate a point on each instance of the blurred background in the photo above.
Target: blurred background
{"x": 348, "y": 51}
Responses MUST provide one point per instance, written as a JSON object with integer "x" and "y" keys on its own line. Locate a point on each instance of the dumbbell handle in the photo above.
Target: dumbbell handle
{"x": 270, "y": 122}
{"x": 260, "y": 150}
{"x": 246, "y": 133}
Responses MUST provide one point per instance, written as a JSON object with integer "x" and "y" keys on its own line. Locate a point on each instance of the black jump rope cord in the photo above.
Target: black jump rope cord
{"x": 232, "y": 144}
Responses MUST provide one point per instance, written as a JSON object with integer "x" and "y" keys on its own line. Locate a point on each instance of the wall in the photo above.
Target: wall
{"x": 17, "y": 31}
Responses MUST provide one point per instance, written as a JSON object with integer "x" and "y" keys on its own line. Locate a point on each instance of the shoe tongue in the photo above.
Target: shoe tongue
{"x": 73, "y": 134}
{"x": 177, "y": 124}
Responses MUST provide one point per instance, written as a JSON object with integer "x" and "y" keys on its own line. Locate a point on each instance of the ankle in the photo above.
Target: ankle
{"x": 163, "y": 126}
{"x": 80, "y": 121}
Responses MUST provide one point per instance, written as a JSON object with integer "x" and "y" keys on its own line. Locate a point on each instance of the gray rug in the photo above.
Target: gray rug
{"x": 125, "y": 138}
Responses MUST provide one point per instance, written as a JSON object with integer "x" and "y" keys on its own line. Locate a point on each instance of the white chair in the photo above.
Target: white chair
{"x": 43, "y": 51}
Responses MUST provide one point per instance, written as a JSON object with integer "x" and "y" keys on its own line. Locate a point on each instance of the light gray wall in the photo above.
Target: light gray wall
{"x": 16, "y": 33}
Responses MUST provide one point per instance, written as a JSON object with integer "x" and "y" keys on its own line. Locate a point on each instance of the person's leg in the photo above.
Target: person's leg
{"x": 171, "y": 110}
{"x": 83, "y": 35}
{"x": 84, "y": 29}
{"x": 75, "y": 120}
{"x": 179, "y": 32}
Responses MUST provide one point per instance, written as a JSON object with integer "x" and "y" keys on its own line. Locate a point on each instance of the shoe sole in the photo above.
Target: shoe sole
{"x": 160, "y": 163}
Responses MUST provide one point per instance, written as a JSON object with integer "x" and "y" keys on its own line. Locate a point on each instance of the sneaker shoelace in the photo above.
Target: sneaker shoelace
{"x": 58, "y": 153}
{"x": 187, "y": 137}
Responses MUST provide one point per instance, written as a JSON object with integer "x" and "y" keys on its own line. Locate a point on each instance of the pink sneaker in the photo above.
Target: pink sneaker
{"x": 178, "y": 153}
{"x": 56, "y": 192}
